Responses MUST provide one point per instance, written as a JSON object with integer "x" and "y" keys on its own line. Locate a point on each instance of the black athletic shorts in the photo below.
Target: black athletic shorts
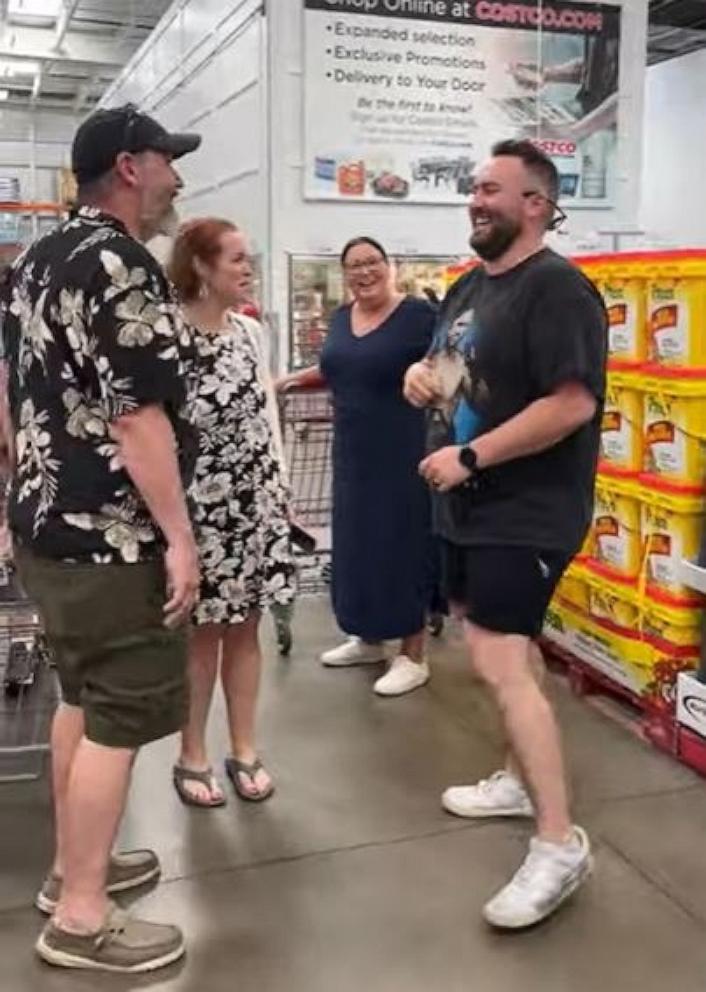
{"x": 504, "y": 589}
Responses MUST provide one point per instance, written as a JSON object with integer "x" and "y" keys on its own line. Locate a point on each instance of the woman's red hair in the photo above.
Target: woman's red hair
{"x": 197, "y": 239}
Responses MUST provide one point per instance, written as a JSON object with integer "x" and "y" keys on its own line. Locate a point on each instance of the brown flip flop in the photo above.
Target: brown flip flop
{"x": 235, "y": 768}
{"x": 183, "y": 775}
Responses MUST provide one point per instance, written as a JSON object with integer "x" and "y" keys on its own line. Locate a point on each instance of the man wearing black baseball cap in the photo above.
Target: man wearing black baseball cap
{"x": 94, "y": 343}
{"x": 110, "y": 140}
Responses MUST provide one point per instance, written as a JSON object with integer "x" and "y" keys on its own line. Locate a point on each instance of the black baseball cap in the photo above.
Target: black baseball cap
{"x": 107, "y": 133}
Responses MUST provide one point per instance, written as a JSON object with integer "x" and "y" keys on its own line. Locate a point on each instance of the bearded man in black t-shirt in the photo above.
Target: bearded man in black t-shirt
{"x": 515, "y": 381}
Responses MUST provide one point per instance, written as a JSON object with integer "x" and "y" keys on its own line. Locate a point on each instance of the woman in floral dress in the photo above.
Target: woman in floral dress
{"x": 239, "y": 497}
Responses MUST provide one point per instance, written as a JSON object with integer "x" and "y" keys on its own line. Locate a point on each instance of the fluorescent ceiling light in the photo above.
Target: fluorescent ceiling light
{"x": 18, "y": 67}
{"x": 34, "y": 8}
{"x": 4, "y": 95}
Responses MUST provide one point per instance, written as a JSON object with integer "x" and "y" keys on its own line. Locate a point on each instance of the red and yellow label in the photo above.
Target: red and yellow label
{"x": 660, "y": 544}
{"x": 606, "y": 527}
{"x": 661, "y": 432}
{"x": 612, "y": 420}
{"x": 617, "y": 315}
{"x": 664, "y": 318}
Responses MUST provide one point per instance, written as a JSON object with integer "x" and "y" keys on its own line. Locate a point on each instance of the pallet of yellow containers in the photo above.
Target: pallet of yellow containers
{"x": 616, "y": 653}
{"x": 670, "y": 634}
{"x": 621, "y": 610}
{"x": 614, "y": 630}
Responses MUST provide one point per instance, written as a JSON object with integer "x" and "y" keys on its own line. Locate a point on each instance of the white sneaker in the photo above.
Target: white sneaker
{"x": 548, "y": 876}
{"x": 499, "y": 795}
{"x": 402, "y": 676}
{"x": 354, "y": 651}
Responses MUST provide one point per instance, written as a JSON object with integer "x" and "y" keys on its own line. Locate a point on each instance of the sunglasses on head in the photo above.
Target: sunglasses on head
{"x": 560, "y": 217}
{"x": 132, "y": 118}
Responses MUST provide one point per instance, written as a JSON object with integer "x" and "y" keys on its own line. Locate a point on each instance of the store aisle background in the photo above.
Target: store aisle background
{"x": 352, "y": 877}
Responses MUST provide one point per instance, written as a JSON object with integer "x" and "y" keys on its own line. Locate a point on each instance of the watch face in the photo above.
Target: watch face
{"x": 468, "y": 458}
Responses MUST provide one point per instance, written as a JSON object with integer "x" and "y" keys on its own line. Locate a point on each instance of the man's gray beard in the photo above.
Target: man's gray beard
{"x": 169, "y": 224}
{"x": 161, "y": 242}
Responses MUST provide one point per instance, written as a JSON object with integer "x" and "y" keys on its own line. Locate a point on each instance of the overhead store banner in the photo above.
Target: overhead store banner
{"x": 404, "y": 98}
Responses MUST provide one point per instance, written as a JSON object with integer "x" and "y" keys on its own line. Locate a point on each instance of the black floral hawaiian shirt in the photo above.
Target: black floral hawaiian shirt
{"x": 90, "y": 331}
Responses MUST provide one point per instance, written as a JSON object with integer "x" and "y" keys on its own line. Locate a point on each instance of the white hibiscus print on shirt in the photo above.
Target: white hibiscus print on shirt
{"x": 38, "y": 469}
{"x": 119, "y": 529}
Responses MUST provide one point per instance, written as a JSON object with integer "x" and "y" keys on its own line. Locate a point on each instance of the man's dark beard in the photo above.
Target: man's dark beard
{"x": 495, "y": 243}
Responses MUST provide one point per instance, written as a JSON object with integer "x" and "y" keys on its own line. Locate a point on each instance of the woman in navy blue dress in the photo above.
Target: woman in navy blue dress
{"x": 381, "y": 574}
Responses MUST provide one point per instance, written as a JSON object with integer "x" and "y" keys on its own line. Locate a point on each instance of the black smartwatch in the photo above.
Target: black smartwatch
{"x": 468, "y": 458}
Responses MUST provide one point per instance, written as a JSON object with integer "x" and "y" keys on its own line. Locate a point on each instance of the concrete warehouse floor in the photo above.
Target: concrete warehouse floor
{"x": 352, "y": 877}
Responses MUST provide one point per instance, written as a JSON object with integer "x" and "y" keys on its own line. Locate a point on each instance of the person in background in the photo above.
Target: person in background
{"x": 102, "y": 538}
{"x": 240, "y": 506}
{"x": 516, "y": 492}
{"x": 382, "y": 558}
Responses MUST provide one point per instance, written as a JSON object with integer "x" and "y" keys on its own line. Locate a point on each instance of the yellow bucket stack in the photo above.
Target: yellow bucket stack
{"x": 622, "y": 607}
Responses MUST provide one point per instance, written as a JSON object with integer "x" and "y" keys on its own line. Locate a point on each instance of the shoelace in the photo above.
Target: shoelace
{"x": 536, "y": 872}
{"x": 114, "y": 928}
{"x": 487, "y": 784}
{"x": 533, "y": 871}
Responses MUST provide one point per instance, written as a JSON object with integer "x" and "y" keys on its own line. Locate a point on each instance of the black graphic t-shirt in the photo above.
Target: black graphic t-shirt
{"x": 503, "y": 342}
{"x": 90, "y": 331}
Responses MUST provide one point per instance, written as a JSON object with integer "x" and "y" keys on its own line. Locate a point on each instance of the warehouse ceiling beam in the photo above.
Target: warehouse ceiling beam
{"x": 68, "y": 56}
{"x": 129, "y": 25}
{"x": 37, "y": 84}
{"x": 63, "y": 22}
{"x": 39, "y": 44}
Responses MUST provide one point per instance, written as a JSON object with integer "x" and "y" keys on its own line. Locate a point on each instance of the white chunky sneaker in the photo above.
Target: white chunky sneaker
{"x": 354, "y": 651}
{"x": 499, "y": 795}
{"x": 402, "y": 676}
{"x": 548, "y": 876}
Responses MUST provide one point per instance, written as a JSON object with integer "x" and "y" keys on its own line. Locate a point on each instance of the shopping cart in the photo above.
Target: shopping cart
{"x": 29, "y": 690}
{"x": 307, "y": 429}
{"x": 28, "y": 686}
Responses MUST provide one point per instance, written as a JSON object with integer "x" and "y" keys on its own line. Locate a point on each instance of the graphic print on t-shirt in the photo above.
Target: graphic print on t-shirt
{"x": 453, "y": 358}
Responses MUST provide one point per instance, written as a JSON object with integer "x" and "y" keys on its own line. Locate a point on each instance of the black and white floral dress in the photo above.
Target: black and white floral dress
{"x": 239, "y": 493}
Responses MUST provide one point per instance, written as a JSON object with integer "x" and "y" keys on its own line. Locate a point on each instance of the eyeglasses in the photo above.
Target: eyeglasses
{"x": 364, "y": 265}
{"x": 560, "y": 217}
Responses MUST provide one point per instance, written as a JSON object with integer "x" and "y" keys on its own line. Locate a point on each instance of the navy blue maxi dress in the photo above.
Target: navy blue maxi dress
{"x": 381, "y": 574}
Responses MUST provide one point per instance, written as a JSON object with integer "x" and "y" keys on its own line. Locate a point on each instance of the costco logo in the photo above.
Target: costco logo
{"x": 557, "y": 149}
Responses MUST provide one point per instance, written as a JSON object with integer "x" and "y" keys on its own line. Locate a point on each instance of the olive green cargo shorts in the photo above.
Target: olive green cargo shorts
{"x": 115, "y": 658}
